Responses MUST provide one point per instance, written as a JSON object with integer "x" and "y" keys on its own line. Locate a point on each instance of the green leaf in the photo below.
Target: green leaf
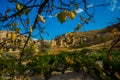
{"x": 27, "y": 11}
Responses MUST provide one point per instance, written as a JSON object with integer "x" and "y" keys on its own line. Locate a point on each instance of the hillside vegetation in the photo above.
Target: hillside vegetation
{"x": 80, "y": 52}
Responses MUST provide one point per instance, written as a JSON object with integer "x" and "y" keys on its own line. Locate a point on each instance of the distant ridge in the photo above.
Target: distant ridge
{"x": 110, "y": 28}
{"x": 76, "y": 39}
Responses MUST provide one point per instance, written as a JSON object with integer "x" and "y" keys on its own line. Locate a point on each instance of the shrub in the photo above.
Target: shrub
{"x": 94, "y": 63}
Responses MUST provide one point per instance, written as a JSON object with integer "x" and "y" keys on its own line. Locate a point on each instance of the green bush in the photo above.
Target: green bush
{"x": 85, "y": 50}
{"x": 45, "y": 64}
{"x": 81, "y": 45}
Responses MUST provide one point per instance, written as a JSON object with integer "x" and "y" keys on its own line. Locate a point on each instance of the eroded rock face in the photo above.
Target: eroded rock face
{"x": 73, "y": 39}
{"x": 7, "y": 44}
{"x": 69, "y": 40}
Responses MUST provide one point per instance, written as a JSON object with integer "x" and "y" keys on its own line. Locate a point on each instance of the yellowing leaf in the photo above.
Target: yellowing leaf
{"x": 77, "y": 6}
{"x": 31, "y": 30}
{"x": 117, "y": 75}
{"x": 19, "y": 7}
{"x": 62, "y": 16}
{"x": 86, "y": 21}
{"x": 110, "y": 57}
{"x": 17, "y": 30}
{"x": 65, "y": 12}
{"x": 13, "y": 36}
{"x": 72, "y": 15}
{"x": 40, "y": 18}
{"x": 78, "y": 27}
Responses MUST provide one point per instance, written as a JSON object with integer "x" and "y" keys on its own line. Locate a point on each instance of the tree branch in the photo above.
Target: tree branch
{"x": 34, "y": 25}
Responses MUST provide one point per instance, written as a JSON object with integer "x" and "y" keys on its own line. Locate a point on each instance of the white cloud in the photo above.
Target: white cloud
{"x": 34, "y": 39}
{"x": 50, "y": 16}
{"x": 89, "y": 6}
{"x": 113, "y": 5}
{"x": 79, "y": 10}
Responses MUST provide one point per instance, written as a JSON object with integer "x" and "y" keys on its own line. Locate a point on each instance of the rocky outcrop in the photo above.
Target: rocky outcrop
{"x": 73, "y": 39}
{"x": 7, "y": 44}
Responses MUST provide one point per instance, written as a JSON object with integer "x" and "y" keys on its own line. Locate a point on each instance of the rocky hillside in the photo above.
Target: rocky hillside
{"x": 71, "y": 40}
{"x": 82, "y": 39}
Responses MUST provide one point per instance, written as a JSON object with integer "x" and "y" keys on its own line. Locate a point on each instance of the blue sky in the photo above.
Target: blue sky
{"x": 103, "y": 15}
